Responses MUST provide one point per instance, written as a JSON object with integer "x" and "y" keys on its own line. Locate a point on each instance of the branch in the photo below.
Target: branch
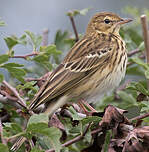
{"x": 1, "y": 134}
{"x": 25, "y": 56}
{"x": 140, "y": 117}
{"x": 7, "y": 99}
{"x": 45, "y": 37}
{"x": 74, "y": 140}
{"x": 133, "y": 52}
{"x": 145, "y": 35}
{"x": 146, "y": 38}
{"x": 74, "y": 27}
{"x": 20, "y": 100}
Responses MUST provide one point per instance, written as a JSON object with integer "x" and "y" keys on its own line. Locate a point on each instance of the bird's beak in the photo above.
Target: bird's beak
{"x": 123, "y": 21}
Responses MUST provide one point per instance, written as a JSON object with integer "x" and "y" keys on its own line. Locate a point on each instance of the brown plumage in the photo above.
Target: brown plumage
{"x": 95, "y": 64}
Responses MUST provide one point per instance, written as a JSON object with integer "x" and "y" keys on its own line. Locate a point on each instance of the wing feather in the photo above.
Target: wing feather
{"x": 72, "y": 71}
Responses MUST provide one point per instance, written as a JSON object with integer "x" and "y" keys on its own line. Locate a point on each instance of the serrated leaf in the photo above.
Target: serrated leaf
{"x": 3, "y": 58}
{"x": 11, "y": 41}
{"x": 1, "y": 78}
{"x": 22, "y": 40}
{"x": 17, "y": 73}
{"x": 36, "y": 150}
{"x": 74, "y": 114}
{"x": 40, "y": 118}
{"x": 3, "y": 148}
{"x": 41, "y": 58}
{"x": 11, "y": 129}
{"x": 126, "y": 97}
{"x": 36, "y": 39}
{"x": 140, "y": 62}
{"x": 35, "y": 128}
{"x": 139, "y": 87}
{"x": 12, "y": 65}
{"x": 54, "y": 135}
{"x": 89, "y": 119}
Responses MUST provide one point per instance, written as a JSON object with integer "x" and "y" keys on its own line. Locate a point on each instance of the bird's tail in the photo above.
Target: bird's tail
{"x": 18, "y": 143}
{"x": 50, "y": 109}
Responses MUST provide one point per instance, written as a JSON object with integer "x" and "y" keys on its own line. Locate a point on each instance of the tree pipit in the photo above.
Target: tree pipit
{"x": 95, "y": 65}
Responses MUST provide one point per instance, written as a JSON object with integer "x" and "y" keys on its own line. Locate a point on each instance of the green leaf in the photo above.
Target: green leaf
{"x": 38, "y": 118}
{"x": 139, "y": 87}
{"x": 126, "y": 97}
{"x": 140, "y": 62}
{"x": 15, "y": 72}
{"x": 89, "y": 119}
{"x": 35, "y": 128}
{"x": 74, "y": 114}
{"x": 12, "y": 65}
{"x": 3, "y": 58}
{"x": 107, "y": 141}
{"x": 141, "y": 46}
{"x": 84, "y": 11}
{"x": 1, "y": 78}
{"x": 36, "y": 150}
{"x": 77, "y": 12}
{"x": 2, "y": 23}
{"x": 22, "y": 40}
{"x": 54, "y": 135}
{"x": 3, "y": 148}
{"x": 41, "y": 58}
{"x": 147, "y": 74}
{"x": 11, "y": 129}
{"x": 35, "y": 39}
{"x": 11, "y": 41}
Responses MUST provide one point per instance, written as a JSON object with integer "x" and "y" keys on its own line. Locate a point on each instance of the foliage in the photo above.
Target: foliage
{"x": 132, "y": 97}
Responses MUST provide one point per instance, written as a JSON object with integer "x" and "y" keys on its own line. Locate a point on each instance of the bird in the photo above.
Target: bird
{"x": 95, "y": 65}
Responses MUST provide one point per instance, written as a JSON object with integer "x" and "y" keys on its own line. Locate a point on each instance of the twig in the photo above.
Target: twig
{"x": 33, "y": 79}
{"x": 1, "y": 134}
{"x": 145, "y": 35}
{"x": 146, "y": 38}
{"x": 74, "y": 140}
{"x": 7, "y": 99}
{"x": 133, "y": 52}
{"x": 25, "y": 56}
{"x": 74, "y": 27}
{"x": 140, "y": 117}
{"x": 45, "y": 37}
{"x": 20, "y": 100}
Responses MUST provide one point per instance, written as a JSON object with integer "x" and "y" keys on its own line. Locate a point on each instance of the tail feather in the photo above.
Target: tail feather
{"x": 18, "y": 144}
{"x": 52, "y": 107}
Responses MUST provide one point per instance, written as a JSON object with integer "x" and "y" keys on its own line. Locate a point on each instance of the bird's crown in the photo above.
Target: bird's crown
{"x": 106, "y": 22}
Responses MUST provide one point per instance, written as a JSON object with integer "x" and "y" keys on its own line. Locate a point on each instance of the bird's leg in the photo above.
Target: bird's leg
{"x": 85, "y": 106}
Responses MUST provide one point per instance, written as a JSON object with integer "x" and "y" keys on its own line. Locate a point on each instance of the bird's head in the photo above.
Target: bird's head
{"x": 106, "y": 22}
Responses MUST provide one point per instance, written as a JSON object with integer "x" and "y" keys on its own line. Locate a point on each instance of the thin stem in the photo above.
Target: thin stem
{"x": 20, "y": 100}
{"x": 45, "y": 37}
{"x": 15, "y": 136}
{"x": 1, "y": 134}
{"x": 133, "y": 52}
{"x": 140, "y": 117}
{"x": 74, "y": 140}
{"x": 25, "y": 56}
{"x": 146, "y": 38}
{"x": 74, "y": 27}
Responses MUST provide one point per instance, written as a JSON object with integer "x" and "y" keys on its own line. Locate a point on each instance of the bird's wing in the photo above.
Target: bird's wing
{"x": 86, "y": 55}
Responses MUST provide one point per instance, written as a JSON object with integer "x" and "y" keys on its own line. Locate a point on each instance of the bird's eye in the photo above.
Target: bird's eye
{"x": 107, "y": 21}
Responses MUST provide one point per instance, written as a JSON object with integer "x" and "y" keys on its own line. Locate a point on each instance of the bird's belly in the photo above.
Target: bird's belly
{"x": 107, "y": 84}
